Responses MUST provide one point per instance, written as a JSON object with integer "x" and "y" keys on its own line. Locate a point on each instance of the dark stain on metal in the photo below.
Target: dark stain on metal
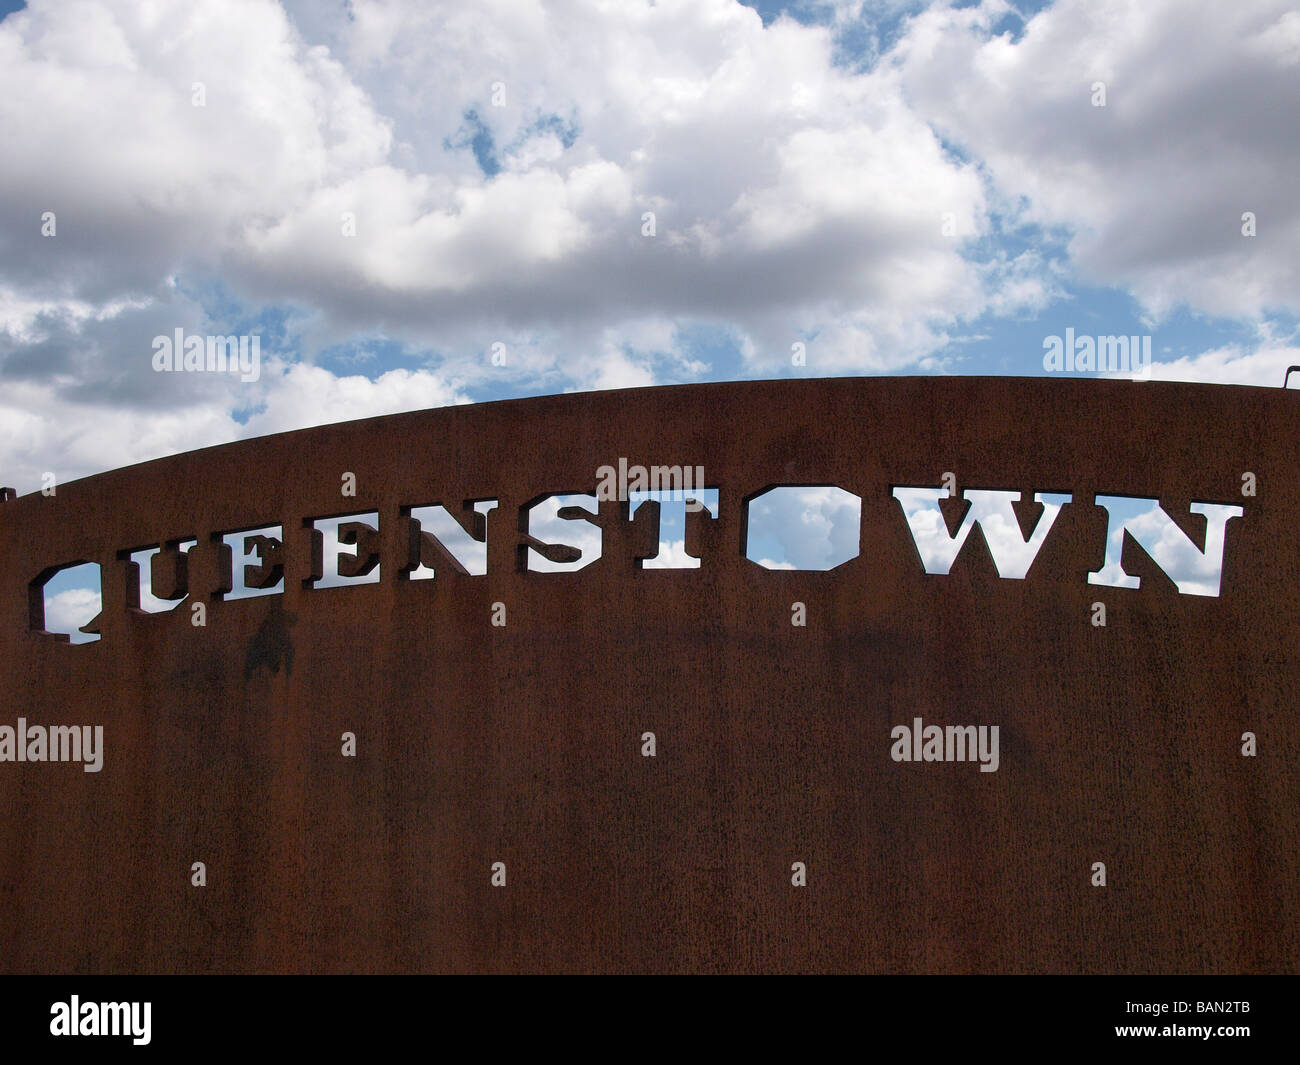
{"x": 272, "y": 646}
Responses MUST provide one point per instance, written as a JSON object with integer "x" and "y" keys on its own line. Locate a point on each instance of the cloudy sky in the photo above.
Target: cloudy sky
{"x": 902, "y": 187}
{"x": 611, "y": 193}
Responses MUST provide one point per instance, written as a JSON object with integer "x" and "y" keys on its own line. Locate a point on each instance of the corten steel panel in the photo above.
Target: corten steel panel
{"x": 480, "y": 744}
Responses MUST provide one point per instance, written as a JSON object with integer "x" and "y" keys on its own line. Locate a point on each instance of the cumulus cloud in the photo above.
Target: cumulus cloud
{"x": 783, "y": 187}
{"x": 795, "y": 527}
{"x": 559, "y": 522}
{"x": 59, "y": 428}
{"x": 1149, "y": 189}
{"x": 991, "y": 511}
{"x": 1264, "y": 365}
{"x": 585, "y": 183}
{"x": 1195, "y": 570}
{"x": 672, "y": 555}
{"x": 138, "y": 178}
{"x": 67, "y": 611}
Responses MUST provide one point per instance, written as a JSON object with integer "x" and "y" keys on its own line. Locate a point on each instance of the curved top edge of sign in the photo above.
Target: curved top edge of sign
{"x": 1008, "y": 383}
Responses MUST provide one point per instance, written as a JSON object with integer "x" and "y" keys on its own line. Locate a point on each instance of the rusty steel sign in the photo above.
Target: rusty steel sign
{"x": 442, "y": 692}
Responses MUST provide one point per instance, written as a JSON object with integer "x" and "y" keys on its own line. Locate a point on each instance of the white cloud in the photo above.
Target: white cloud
{"x": 991, "y": 511}
{"x": 795, "y": 199}
{"x": 1265, "y": 365}
{"x": 789, "y": 193}
{"x": 299, "y": 395}
{"x": 1152, "y": 186}
{"x": 1196, "y": 570}
{"x": 673, "y": 555}
{"x": 44, "y": 428}
{"x": 69, "y": 610}
{"x": 803, "y": 527}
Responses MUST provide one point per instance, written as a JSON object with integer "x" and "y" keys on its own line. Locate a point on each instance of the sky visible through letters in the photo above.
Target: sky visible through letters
{"x": 413, "y": 205}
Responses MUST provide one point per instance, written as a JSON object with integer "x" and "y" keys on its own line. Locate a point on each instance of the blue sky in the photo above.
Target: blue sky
{"x": 498, "y": 161}
{"x": 413, "y": 205}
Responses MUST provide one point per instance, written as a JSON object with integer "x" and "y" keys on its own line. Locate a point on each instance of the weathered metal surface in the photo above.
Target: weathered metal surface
{"x": 521, "y": 744}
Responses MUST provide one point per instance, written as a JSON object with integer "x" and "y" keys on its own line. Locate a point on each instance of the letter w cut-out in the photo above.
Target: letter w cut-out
{"x": 991, "y": 511}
